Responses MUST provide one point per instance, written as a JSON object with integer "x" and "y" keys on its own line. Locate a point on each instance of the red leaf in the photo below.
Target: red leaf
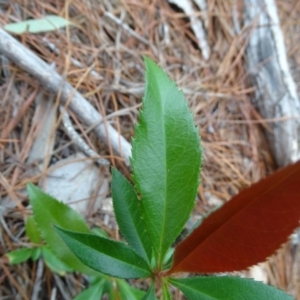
{"x": 247, "y": 229}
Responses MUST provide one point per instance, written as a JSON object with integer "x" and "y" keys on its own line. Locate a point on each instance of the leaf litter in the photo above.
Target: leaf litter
{"x": 107, "y": 44}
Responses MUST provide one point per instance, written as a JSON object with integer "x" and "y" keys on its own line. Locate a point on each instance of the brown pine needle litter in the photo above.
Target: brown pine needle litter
{"x": 101, "y": 56}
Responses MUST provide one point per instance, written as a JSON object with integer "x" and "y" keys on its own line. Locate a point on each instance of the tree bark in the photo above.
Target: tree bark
{"x": 276, "y": 93}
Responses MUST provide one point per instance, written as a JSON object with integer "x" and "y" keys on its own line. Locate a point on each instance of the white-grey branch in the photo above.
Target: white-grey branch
{"x": 78, "y": 140}
{"x": 52, "y": 81}
{"x": 276, "y": 94}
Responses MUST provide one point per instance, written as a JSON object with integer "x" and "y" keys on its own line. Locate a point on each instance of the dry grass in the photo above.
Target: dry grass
{"x": 104, "y": 62}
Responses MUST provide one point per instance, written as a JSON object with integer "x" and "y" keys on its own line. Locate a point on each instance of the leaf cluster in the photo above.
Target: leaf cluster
{"x": 151, "y": 214}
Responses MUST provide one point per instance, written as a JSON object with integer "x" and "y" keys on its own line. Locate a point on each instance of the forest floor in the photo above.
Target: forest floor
{"x": 101, "y": 56}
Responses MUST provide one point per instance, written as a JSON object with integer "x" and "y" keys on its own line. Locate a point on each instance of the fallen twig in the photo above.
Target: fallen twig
{"x": 196, "y": 25}
{"x": 276, "y": 94}
{"x": 129, "y": 30}
{"x": 14, "y": 122}
{"x": 38, "y": 280}
{"x": 28, "y": 61}
{"x": 78, "y": 140}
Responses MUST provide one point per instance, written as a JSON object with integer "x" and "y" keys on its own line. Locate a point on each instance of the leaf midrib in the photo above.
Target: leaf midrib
{"x": 110, "y": 257}
{"x": 234, "y": 215}
{"x": 197, "y": 291}
{"x": 162, "y": 111}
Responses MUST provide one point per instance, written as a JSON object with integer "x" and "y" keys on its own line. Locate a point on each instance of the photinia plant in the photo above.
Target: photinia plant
{"x": 151, "y": 213}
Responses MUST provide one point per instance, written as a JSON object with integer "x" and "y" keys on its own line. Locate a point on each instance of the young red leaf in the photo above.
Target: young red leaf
{"x": 247, "y": 229}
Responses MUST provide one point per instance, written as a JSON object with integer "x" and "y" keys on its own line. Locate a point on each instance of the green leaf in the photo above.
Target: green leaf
{"x": 128, "y": 292}
{"x": 114, "y": 294}
{"x": 95, "y": 292}
{"x": 112, "y": 291}
{"x": 169, "y": 258}
{"x": 166, "y": 295}
{"x": 47, "y": 212}
{"x": 19, "y": 256}
{"x": 36, "y": 253}
{"x": 32, "y": 231}
{"x": 227, "y": 288}
{"x": 48, "y": 23}
{"x": 54, "y": 263}
{"x": 150, "y": 295}
{"x": 129, "y": 216}
{"x": 107, "y": 256}
{"x": 100, "y": 232}
{"x": 166, "y": 159}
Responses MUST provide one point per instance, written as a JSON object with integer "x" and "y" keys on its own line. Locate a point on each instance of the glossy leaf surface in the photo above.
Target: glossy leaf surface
{"x": 47, "y": 212}
{"x": 103, "y": 255}
{"x": 165, "y": 159}
{"x": 227, "y": 288}
{"x": 127, "y": 209}
{"x": 247, "y": 229}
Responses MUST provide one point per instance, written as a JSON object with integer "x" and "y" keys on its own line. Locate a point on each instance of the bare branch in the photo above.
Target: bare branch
{"x": 78, "y": 140}
{"x": 53, "y": 82}
{"x": 276, "y": 94}
{"x": 196, "y": 24}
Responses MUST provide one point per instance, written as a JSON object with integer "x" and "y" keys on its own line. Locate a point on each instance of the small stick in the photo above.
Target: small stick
{"x": 38, "y": 280}
{"x": 14, "y": 122}
{"x": 78, "y": 140}
{"x": 196, "y": 25}
{"x": 130, "y": 31}
{"x": 53, "y": 82}
{"x": 13, "y": 281}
